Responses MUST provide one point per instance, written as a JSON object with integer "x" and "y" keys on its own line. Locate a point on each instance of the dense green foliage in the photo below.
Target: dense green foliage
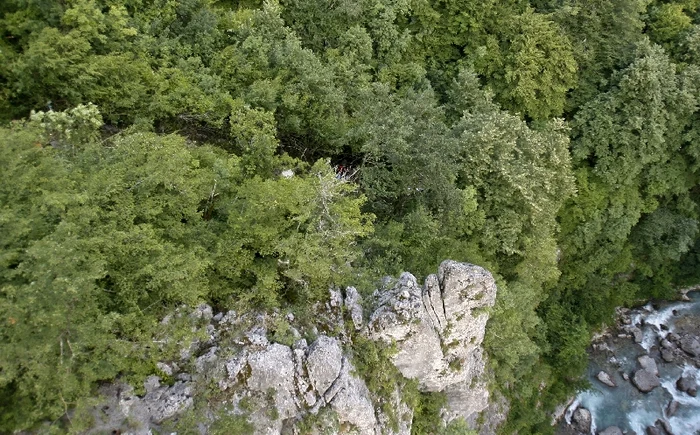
{"x": 164, "y": 153}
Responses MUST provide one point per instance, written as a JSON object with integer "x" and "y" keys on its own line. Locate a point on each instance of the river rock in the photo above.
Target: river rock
{"x": 605, "y": 379}
{"x": 649, "y": 364}
{"x": 667, "y": 355}
{"x": 645, "y": 380}
{"x": 667, "y": 427}
{"x": 686, "y": 384}
{"x": 672, "y": 408}
{"x": 637, "y": 334}
{"x": 581, "y": 420}
{"x": 612, "y": 430}
{"x": 690, "y": 345}
{"x": 661, "y": 427}
{"x": 667, "y": 344}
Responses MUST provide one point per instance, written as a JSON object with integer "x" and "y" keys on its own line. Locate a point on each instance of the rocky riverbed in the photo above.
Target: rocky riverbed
{"x": 644, "y": 374}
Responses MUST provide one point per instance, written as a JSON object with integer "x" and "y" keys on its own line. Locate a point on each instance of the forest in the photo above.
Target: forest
{"x": 253, "y": 154}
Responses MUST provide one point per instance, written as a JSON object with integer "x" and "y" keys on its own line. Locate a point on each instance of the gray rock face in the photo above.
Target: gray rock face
{"x": 438, "y": 330}
{"x": 402, "y": 317}
{"x": 158, "y": 404}
{"x": 324, "y": 363}
{"x": 272, "y": 369}
{"x": 605, "y": 379}
{"x": 351, "y": 401}
{"x": 581, "y": 420}
{"x": 645, "y": 380}
{"x": 353, "y": 303}
{"x": 166, "y": 402}
{"x": 612, "y": 430}
{"x": 494, "y": 415}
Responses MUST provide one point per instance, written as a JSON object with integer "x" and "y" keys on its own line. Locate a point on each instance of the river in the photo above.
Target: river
{"x": 659, "y": 328}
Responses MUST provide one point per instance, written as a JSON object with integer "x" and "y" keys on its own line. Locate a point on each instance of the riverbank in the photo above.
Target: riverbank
{"x": 644, "y": 374}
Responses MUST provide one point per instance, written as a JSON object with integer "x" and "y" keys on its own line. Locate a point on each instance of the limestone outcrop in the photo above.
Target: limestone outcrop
{"x": 437, "y": 328}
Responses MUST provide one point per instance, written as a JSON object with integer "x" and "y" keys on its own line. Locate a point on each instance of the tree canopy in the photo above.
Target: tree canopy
{"x": 252, "y": 155}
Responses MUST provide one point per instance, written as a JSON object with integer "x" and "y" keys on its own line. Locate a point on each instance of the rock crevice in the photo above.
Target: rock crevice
{"x": 437, "y": 328}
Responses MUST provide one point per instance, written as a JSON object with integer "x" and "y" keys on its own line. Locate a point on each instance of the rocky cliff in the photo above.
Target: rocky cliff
{"x": 307, "y": 382}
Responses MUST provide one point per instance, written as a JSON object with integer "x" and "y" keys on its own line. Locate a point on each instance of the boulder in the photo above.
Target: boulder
{"x": 207, "y": 361}
{"x": 671, "y": 408}
{"x": 605, "y": 379}
{"x": 637, "y": 334}
{"x": 581, "y": 420}
{"x": 686, "y": 384}
{"x": 645, "y": 380}
{"x": 667, "y": 344}
{"x": 612, "y": 430}
{"x": 203, "y": 312}
{"x": 690, "y": 345}
{"x": 667, "y": 427}
{"x": 649, "y": 364}
{"x": 167, "y": 369}
{"x": 667, "y": 355}
{"x": 661, "y": 427}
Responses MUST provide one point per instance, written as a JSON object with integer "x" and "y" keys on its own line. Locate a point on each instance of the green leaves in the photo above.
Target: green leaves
{"x": 99, "y": 242}
{"x": 533, "y": 68}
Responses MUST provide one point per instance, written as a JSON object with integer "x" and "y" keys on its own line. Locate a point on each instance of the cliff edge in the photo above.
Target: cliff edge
{"x": 307, "y": 383}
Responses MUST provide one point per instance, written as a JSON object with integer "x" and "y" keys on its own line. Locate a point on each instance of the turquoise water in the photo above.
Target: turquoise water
{"x": 625, "y": 406}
